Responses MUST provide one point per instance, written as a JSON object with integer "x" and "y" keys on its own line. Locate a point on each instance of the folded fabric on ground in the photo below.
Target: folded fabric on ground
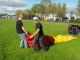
{"x": 48, "y": 40}
{"x": 63, "y": 38}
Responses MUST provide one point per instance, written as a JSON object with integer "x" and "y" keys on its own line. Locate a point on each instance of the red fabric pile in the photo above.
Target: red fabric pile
{"x": 31, "y": 41}
{"x": 48, "y": 40}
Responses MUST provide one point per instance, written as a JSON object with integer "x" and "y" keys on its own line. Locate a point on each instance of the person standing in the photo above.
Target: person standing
{"x": 38, "y": 34}
{"x": 21, "y": 32}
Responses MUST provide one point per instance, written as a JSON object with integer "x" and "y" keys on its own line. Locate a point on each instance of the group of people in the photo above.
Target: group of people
{"x": 38, "y": 34}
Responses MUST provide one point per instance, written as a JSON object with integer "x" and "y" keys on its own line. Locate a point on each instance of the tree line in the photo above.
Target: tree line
{"x": 46, "y": 7}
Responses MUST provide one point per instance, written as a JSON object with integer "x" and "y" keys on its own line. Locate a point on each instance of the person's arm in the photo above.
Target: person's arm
{"x": 24, "y": 30}
{"x": 35, "y": 33}
{"x": 22, "y": 27}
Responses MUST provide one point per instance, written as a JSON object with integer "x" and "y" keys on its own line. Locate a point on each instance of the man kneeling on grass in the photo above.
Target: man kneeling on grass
{"x": 38, "y": 34}
{"x": 21, "y": 32}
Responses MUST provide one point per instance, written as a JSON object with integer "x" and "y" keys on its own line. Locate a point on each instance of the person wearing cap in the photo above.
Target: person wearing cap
{"x": 21, "y": 32}
{"x": 38, "y": 34}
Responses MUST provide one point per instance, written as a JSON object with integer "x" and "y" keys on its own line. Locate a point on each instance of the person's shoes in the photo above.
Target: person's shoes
{"x": 36, "y": 49}
{"x": 46, "y": 49}
{"x": 21, "y": 47}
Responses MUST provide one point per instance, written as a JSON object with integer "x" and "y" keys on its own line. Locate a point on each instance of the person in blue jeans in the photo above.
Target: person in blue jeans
{"x": 21, "y": 32}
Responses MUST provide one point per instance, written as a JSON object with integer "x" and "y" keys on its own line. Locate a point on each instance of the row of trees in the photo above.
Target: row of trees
{"x": 58, "y": 9}
{"x": 78, "y": 8}
{"x": 45, "y": 7}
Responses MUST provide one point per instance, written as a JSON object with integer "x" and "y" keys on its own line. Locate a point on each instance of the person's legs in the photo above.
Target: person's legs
{"x": 21, "y": 44}
{"x": 25, "y": 44}
{"x": 35, "y": 41}
{"x": 34, "y": 44}
{"x": 23, "y": 40}
{"x": 41, "y": 42}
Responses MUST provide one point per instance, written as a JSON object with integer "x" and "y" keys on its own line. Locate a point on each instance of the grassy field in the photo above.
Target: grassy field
{"x": 9, "y": 43}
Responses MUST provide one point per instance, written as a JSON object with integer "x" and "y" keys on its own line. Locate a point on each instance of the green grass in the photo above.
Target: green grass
{"x": 9, "y": 43}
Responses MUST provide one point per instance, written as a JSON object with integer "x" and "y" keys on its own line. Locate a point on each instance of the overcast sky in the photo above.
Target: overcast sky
{"x": 10, "y": 6}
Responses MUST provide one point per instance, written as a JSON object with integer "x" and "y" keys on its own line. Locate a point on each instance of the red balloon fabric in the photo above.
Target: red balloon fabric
{"x": 48, "y": 40}
{"x": 31, "y": 41}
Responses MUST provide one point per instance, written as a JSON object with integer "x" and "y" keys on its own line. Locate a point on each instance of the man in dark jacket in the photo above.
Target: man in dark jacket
{"x": 38, "y": 34}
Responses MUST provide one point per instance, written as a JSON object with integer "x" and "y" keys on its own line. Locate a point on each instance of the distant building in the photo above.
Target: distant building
{"x": 3, "y": 15}
{"x": 51, "y": 17}
{"x": 7, "y": 16}
{"x": 13, "y": 16}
